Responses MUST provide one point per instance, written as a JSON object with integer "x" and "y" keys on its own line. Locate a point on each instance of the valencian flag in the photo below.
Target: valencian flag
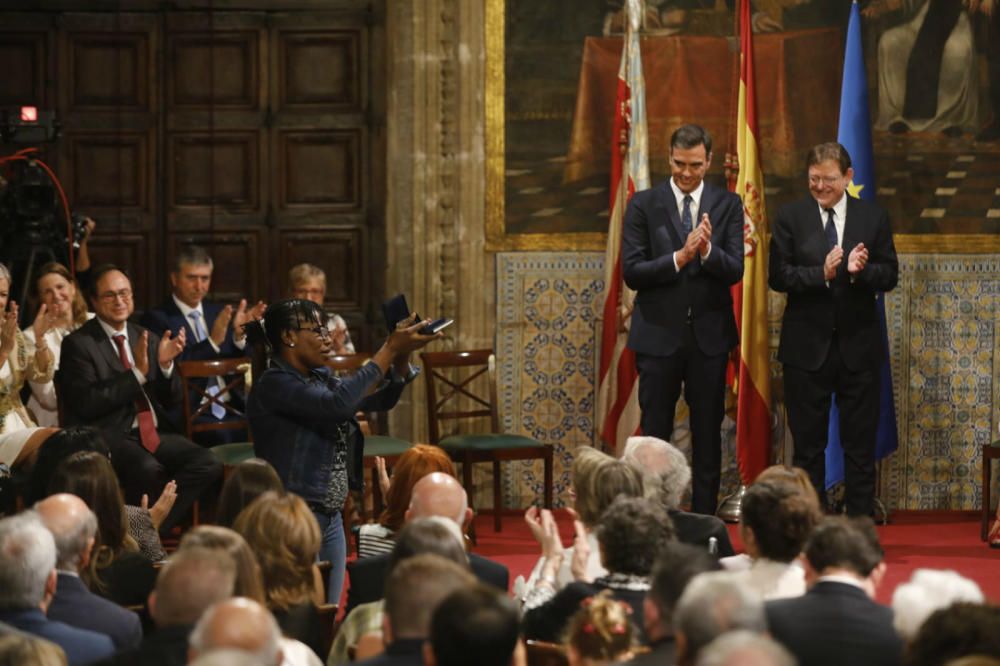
{"x": 618, "y": 380}
{"x": 753, "y": 385}
{"x": 854, "y": 132}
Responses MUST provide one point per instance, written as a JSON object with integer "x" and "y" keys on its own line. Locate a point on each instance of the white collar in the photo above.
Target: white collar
{"x": 186, "y": 309}
{"x": 695, "y": 196}
{"x": 111, "y": 332}
{"x": 839, "y": 210}
{"x": 841, "y": 578}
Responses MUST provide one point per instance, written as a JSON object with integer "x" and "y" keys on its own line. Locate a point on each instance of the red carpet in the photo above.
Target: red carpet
{"x": 914, "y": 540}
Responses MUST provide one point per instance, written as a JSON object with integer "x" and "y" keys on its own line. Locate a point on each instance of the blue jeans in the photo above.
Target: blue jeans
{"x": 333, "y": 548}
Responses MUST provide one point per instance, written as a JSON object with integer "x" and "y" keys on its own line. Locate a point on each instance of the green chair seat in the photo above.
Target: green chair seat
{"x": 233, "y": 454}
{"x": 384, "y": 445}
{"x": 488, "y": 442}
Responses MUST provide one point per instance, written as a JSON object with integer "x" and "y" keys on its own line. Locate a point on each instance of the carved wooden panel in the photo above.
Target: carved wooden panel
{"x": 217, "y": 168}
{"x": 320, "y": 68}
{"x": 25, "y": 58}
{"x": 320, "y": 168}
{"x": 214, "y": 69}
{"x": 110, "y": 70}
{"x": 232, "y": 252}
{"x": 340, "y": 252}
{"x": 130, "y": 251}
{"x": 109, "y": 170}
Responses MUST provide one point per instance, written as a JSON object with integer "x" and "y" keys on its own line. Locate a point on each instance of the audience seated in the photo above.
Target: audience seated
{"x": 284, "y": 535}
{"x": 474, "y": 625}
{"x": 211, "y": 331}
{"x": 597, "y": 480}
{"x": 666, "y": 477}
{"x": 713, "y": 604}
{"x": 960, "y": 630}
{"x": 248, "y": 481}
{"x": 238, "y": 624}
{"x": 744, "y": 648}
{"x": 675, "y": 566}
{"x": 413, "y": 591}
{"x": 63, "y": 300}
{"x": 74, "y": 528}
{"x": 435, "y": 536}
{"x": 122, "y": 378}
{"x": 927, "y": 591}
{"x": 837, "y": 621}
{"x": 437, "y": 494}
{"x": 600, "y": 633}
{"x": 190, "y": 582}
{"x": 630, "y": 534}
{"x": 775, "y": 521}
{"x": 20, "y": 362}
{"x": 143, "y": 522}
{"x": 117, "y": 569}
{"x": 416, "y": 462}
{"x": 309, "y": 282}
{"x": 27, "y": 583}
{"x": 18, "y": 648}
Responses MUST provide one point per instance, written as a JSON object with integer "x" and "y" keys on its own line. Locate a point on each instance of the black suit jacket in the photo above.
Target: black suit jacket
{"x": 78, "y": 607}
{"x": 96, "y": 389}
{"x": 697, "y": 528}
{"x": 652, "y": 233}
{"x": 814, "y": 309}
{"x": 368, "y": 574}
{"x": 835, "y": 624}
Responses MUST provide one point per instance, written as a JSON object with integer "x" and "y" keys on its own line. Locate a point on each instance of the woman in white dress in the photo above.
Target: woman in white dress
{"x": 57, "y": 292}
{"x": 19, "y": 436}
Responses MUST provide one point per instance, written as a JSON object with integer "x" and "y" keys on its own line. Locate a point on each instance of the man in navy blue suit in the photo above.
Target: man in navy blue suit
{"x": 27, "y": 583}
{"x": 682, "y": 250}
{"x": 74, "y": 527}
{"x": 213, "y": 330}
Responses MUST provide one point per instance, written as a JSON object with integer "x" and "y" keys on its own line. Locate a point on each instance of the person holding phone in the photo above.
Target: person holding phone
{"x": 302, "y": 416}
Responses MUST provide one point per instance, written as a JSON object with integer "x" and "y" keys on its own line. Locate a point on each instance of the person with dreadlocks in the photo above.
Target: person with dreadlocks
{"x": 303, "y": 417}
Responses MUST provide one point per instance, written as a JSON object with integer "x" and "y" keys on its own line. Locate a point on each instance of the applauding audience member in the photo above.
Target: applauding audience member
{"x": 474, "y": 625}
{"x": 308, "y": 282}
{"x": 248, "y": 481}
{"x": 120, "y": 377}
{"x": 713, "y": 604}
{"x": 27, "y": 584}
{"x": 601, "y": 632}
{"x": 837, "y": 621}
{"x": 74, "y": 528}
{"x": 20, "y": 362}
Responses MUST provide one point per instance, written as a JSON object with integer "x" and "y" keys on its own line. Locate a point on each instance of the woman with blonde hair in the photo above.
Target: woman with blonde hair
{"x": 601, "y": 632}
{"x": 308, "y": 282}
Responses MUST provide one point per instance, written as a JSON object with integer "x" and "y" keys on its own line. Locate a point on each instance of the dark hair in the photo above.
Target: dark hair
{"x": 100, "y": 272}
{"x": 780, "y": 517}
{"x": 251, "y": 479}
{"x": 632, "y": 532}
{"x": 829, "y": 151}
{"x": 849, "y": 543}
{"x": 286, "y": 315}
{"x": 191, "y": 254}
{"x": 676, "y": 564}
{"x": 426, "y": 535}
{"x": 691, "y": 136}
{"x": 961, "y": 629}
{"x": 475, "y": 625}
{"x": 61, "y": 445}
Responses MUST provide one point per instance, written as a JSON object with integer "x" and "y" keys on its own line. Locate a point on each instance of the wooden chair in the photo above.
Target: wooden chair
{"x": 486, "y": 445}
{"x": 540, "y": 653}
{"x": 990, "y": 453}
{"x": 328, "y": 624}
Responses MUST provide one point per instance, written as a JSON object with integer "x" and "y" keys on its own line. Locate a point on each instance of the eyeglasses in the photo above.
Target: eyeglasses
{"x": 321, "y": 331}
{"x": 826, "y": 180}
{"x": 112, "y": 296}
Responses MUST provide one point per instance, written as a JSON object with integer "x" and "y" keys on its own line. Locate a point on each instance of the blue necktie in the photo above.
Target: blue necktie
{"x": 199, "y": 328}
{"x": 218, "y": 411}
{"x": 686, "y": 215}
{"x": 830, "y": 229}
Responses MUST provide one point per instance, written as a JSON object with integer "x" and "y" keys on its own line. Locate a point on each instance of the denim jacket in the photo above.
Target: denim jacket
{"x": 294, "y": 421}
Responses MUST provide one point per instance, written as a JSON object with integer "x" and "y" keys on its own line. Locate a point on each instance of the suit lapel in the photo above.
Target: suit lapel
{"x": 105, "y": 347}
{"x": 814, "y": 231}
{"x": 668, "y": 204}
{"x": 176, "y": 319}
{"x": 852, "y": 225}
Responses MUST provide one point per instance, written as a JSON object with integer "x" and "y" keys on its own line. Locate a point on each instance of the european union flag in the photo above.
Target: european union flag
{"x": 855, "y": 133}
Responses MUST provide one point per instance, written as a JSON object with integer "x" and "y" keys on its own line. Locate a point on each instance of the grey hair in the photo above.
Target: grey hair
{"x": 715, "y": 603}
{"x": 5, "y": 274}
{"x": 27, "y": 558}
{"x": 267, "y": 655}
{"x": 666, "y": 474}
{"x": 228, "y": 657}
{"x": 454, "y": 528}
{"x": 929, "y": 590}
{"x": 736, "y": 647}
{"x": 192, "y": 254}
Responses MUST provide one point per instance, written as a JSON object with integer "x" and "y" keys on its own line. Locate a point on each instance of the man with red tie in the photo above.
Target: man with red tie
{"x": 121, "y": 378}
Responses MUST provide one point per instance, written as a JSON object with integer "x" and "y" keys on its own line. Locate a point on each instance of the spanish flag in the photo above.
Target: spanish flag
{"x": 753, "y": 387}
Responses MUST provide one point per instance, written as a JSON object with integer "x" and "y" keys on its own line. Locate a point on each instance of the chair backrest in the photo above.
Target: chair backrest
{"x": 328, "y": 624}
{"x": 460, "y": 393}
{"x": 540, "y": 653}
{"x": 345, "y": 364}
{"x": 233, "y": 372}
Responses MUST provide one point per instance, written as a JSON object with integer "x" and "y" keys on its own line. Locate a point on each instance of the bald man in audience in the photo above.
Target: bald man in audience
{"x": 192, "y": 580}
{"x": 240, "y": 624}
{"x": 74, "y": 526}
{"x": 437, "y": 494}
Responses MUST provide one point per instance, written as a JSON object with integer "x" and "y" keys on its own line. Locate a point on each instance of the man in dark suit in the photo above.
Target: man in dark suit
{"x": 682, "y": 250}
{"x": 832, "y": 253}
{"x": 211, "y": 330}
{"x": 119, "y": 377}
{"x": 837, "y": 622}
{"x": 27, "y": 583}
{"x": 74, "y": 526}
